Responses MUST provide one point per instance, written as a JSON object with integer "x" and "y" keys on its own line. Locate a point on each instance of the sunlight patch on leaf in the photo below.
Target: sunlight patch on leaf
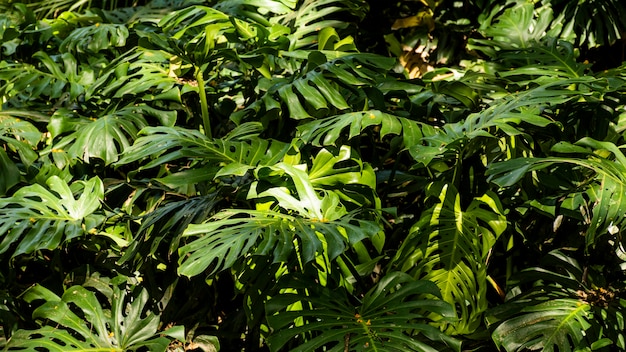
{"x": 232, "y": 235}
{"x": 449, "y": 246}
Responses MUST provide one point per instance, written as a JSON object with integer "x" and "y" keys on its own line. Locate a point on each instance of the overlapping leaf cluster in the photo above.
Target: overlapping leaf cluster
{"x": 187, "y": 174}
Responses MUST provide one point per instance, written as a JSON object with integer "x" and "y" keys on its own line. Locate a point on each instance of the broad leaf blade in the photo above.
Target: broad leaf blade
{"x": 82, "y": 323}
{"x": 397, "y": 301}
{"x": 449, "y": 246}
{"x": 38, "y": 218}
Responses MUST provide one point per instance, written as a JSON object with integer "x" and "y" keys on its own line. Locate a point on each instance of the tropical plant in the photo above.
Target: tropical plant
{"x": 122, "y": 327}
{"x": 563, "y": 313}
{"x": 255, "y": 175}
{"x": 396, "y": 301}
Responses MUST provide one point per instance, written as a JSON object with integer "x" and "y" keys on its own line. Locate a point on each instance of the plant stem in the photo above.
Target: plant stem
{"x": 204, "y": 106}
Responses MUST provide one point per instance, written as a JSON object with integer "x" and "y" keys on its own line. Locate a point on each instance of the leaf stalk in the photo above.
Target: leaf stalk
{"x": 204, "y": 106}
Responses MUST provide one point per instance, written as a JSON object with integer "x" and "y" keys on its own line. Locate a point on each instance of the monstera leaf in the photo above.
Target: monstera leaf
{"x": 140, "y": 73}
{"x": 550, "y": 309}
{"x": 167, "y": 223}
{"x": 36, "y": 217}
{"x": 58, "y": 78}
{"x": 229, "y": 236}
{"x": 606, "y": 186}
{"x": 165, "y": 144}
{"x": 510, "y": 115}
{"x": 519, "y": 24}
{"x": 515, "y": 28}
{"x": 79, "y": 322}
{"x": 20, "y": 137}
{"x": 524, "y": 106}
{"x": 329, "y": 130}
{"x": 311, "y": 16}
{"x": 589, "y": 23}
{"x": 104, "y": 137}
{"x": 191, "y": 21}
{"x": 449, "y": 246}
{"x": 549, "y": 324}
{"x": 94, "y": 38}
{"x": 347, "y": 175}
{"x": 309, "y": 224}
{"x": 258, "y": 10}
{"x": 319, "y": 88}
{"x": 558, "y": 58}
{"x": 199, "y": 30}
{"x": 392, "y": 316}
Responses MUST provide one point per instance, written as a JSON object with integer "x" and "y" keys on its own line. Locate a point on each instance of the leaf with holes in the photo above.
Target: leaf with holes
{"x": 104, "y": 137}
{"x": 79, "y": 322}
{"x": 229, "y": 236}
{"x": 392, "y": 316}
{"x": 165, "y": 144}
{"x": 36, "y": 217}
{"x": 449, "y": 246}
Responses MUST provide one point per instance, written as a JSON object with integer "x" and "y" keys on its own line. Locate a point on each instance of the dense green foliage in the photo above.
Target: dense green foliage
{"x": 332, "y": 175}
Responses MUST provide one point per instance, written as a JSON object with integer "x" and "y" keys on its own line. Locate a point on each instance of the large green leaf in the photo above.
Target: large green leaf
{"x": 329, "y": 130}
{"x": 166, "y": 224}
{"x": 516, "y": 27}
{"x": 82, "y": 323}
{"x": 10, "y": 173}
{"x": 142, "y": 74}
{"x": 94, "y": 38}
{"x": 608, "y": 194}
{"x": 37, "y": 218}
{"x": 345, "y": 174}
{"x": 256, "y": 9}
{"x": 104, "y": 137}
{"x": 65, "y": 71}
{"x": 58, "y": 78}
{"x": 315, "y": 224}
{"x": 319, "y": 88}
{"x": 199, "y": 30}
{"x": 311, "y": 16}
{"x": 392, "y": 316}
{"x": 231, "y": 235}
{"x": 165, "y": 144}
{"x": 592, "y": 23}
{"x": 449, "y": 246}
{"x": 606, "y": 189}
{"x": 510, "y": 115}
{"x": 558, "y": 59}
{"x": 16, "y": 137}
{"x": 151, "y": 12}
{"x": 19, "y": 135}
{"x": 517, "y": 108}
{"x": 193, "y": 19}
{"x": 303, "y": 200}
{"x": 557, "y": 324}
{"x": 550, "y": 309}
